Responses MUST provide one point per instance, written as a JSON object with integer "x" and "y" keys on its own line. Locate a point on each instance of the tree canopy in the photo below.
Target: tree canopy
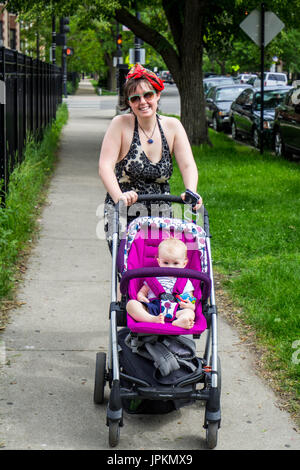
{"x": 180, "y": 31}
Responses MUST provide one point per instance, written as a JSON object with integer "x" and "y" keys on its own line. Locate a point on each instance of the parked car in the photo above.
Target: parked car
{"x": 218, "y": 101}
{"x": 244, "y": 77}
{"x": 166, "y": 76}
{"x": 245, "y": 113}
{"x": 287, "y": 125}
{"x": 214, "y": 81}
{"x": 275, "y": 79}
{"x": 254, "y": 81}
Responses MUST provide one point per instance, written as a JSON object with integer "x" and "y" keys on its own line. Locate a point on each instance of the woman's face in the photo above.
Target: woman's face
{"x": 146, "y": 104}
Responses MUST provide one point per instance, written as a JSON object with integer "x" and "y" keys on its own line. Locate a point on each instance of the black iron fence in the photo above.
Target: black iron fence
{"x": 30, "y": 91}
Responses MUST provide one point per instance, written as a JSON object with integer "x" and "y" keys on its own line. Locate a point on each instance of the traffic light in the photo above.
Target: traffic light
{"x": 119, "y": 40}
{"x": 68, "y": 51}
{"x": 64, "y": 28}
{"x": 61, "y": 38}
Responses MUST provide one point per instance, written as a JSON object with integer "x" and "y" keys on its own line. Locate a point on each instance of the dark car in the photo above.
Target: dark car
{"x": 214, "y": 81}
{"x": 287, "y": 125}
{"x": 245, "y": 113}
{"x": 218, "y": 103}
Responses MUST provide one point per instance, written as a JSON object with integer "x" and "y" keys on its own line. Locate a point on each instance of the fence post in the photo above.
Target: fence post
{"x": 3, "y": 175}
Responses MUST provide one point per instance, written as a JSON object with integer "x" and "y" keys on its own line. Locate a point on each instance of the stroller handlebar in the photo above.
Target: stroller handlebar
{"x": 160, "y": 197}
{"x": 163, "y": 198}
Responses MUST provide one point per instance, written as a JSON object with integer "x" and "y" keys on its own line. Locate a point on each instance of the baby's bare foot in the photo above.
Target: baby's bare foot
{"x": 187, "y": 323}
{"x": 159, "y": 319}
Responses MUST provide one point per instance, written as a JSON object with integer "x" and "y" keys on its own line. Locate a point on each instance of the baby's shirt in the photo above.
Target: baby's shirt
{"x": 168, "y": 285}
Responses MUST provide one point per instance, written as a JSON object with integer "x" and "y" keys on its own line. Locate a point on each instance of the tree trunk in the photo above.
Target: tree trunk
{"x": 190, "y": 86}
{"x": 111, "y": 78}
{"x": 183, "y": 61}
{"x": 188, "y": 71}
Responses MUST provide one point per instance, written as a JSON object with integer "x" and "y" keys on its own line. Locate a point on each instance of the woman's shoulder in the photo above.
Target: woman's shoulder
{"x": 123, "y": 119}
{"x": 171, "y": 125}
{"x": 170, "y": 121}
{"x": 122, "y": 122}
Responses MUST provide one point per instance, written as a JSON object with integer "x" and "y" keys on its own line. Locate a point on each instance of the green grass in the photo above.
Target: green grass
{"x": 253, "y": 203}
{"x": 25, "y": 192}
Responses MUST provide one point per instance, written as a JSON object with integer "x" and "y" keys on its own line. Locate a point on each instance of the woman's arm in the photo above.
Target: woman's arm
{"x": 109, "y": 155}
{"x": 185, "y": 160}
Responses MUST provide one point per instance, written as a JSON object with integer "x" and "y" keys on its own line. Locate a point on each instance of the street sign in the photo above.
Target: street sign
{"x": 2, "y": 92}
{"x": 252, "y": 26}
{"x": 132, "y": 56}
{"x": 117, "y": 60}
{"x": 262, "y": 26}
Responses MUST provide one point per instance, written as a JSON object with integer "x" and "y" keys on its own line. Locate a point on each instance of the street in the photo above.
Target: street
{"x": 48, "y": 349}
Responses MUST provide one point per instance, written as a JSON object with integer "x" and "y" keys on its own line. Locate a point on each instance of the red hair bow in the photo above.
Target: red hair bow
{"x": 140, "y": 72}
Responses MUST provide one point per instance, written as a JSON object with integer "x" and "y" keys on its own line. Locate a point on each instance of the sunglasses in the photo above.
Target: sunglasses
{"x": 147, "y": 95}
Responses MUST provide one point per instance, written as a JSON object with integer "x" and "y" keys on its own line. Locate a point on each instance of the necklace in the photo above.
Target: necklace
{"x": 150, "y": 140}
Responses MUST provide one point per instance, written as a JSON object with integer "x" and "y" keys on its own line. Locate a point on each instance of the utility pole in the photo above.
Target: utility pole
{"x": 53, "y": 45}
{"x": 63, "y": 30}
{"x": 137, "y": 44}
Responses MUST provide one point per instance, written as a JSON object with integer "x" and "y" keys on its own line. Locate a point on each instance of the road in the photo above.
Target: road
{"x": 170, "y": 100}
{"x": 48, "y": 349}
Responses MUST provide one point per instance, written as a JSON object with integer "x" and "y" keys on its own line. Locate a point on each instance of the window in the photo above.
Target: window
{"x": 228, "y": 94}
{"x": 1, "y": 33}
{"x": 245, "y": 98}
{"x": 210, "y": 93}
{"x": 12, "y": 39}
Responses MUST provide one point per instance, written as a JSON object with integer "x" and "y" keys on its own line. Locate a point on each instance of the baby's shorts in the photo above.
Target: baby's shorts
{"x": 153, "y": 307}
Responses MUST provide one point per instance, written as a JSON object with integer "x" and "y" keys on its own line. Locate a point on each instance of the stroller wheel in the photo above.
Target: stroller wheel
{"x": 99, "y": 378}
{"x": 114, "y": 433}
{"x": 212, "y": 434}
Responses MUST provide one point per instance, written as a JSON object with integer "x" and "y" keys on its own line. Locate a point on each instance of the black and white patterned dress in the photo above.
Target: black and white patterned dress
{"x": 135, "y": 172}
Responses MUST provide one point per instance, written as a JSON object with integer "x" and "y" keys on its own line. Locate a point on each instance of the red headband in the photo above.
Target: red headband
{"x": 140, "y": 72}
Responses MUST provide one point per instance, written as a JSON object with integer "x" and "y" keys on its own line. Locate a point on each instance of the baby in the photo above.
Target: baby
{"x": 172, "y": 253}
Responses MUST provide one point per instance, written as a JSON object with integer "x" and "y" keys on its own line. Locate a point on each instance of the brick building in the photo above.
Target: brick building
{"x": 9, "y": 30}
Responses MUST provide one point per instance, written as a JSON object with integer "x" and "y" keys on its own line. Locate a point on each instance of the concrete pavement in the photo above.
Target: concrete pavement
{"x": 48, "y": 350}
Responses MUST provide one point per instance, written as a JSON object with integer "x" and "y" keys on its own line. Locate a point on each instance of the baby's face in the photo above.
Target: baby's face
{"x": 167, "y": 260}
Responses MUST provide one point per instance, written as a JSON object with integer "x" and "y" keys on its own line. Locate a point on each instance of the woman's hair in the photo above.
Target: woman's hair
{"x": 135, "y": 76}
{"x": 130, "y": 88}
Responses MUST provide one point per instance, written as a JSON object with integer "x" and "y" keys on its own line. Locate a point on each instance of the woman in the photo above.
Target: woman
{"x": 137, "y": 149}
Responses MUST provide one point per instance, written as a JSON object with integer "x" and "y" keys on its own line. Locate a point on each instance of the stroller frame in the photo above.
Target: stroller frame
{"x": 109, "y": 370}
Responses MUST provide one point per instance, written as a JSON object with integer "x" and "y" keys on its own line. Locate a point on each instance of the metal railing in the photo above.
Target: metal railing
{"x": 30, "y": 91}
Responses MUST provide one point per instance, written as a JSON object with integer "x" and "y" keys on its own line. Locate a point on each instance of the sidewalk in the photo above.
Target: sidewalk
{"x": 50, "y": 345}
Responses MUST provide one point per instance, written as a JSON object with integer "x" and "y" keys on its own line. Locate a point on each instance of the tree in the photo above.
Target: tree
{"x": 185, "y": 27}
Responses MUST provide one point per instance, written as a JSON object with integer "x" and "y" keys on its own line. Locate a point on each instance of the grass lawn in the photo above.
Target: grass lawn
{"x": 26, "y": 189}
{"x": 253, "y": 202}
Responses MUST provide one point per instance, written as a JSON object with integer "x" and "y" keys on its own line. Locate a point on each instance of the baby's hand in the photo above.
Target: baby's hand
{"x": 187, "y": 304}
{"x": 141, "y": 298}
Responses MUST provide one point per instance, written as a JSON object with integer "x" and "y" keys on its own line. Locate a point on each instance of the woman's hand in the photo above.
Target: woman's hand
{"x": 197, "y": 206}
{"x": 129, "y": 198}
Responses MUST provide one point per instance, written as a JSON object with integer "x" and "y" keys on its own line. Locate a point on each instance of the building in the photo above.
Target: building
{"x": 9, "y": 30}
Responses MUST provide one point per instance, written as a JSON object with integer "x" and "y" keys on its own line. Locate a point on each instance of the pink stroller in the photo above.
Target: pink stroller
{"x": 152, "y": 368}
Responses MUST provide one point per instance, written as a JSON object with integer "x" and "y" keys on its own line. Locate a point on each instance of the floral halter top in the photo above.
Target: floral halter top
{"x": 135, "y": 172}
